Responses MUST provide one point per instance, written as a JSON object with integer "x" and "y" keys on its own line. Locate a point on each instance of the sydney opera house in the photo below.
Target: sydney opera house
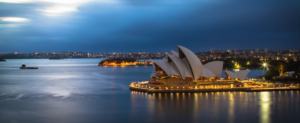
{"x": 184, "y": 70}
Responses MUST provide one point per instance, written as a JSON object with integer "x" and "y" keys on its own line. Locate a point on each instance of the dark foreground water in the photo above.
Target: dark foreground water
{"x": 78, "y": 91}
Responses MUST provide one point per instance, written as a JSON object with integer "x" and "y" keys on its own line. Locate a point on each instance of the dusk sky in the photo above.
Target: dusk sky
{"x": 28, "y": 26}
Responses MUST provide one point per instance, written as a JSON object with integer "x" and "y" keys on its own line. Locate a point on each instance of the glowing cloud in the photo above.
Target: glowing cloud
{"x": 49, "y": 1}
{"x": 60, "y": 9}
{"x": 16, "y": 1}
{"x": 13, "y": 19}
{"x": 57, "y": 7}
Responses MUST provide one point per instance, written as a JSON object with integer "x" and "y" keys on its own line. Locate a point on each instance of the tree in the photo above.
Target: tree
{"x": 271, "y": 74}
{"x": 280, "y": 68}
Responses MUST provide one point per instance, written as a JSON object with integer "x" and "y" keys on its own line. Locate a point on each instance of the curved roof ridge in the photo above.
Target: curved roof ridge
{"x": 184, "y": 72}
{"x": 174, "y": 71}
{"x": 242, "y": 74}
{"x": 215, "y": 67}
{"x": 229, "y": 73}
{"x": 207, "y": 73}
{"x": 174, "y": 53}
{"x": 194, "y": 62}
{"x": 165, "y": 66}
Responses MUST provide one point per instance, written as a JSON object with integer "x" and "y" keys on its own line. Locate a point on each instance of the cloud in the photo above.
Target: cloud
{"x": 151, "y": 26}
{"x": 56, "y": 7}
{"x": 13, "y": 19}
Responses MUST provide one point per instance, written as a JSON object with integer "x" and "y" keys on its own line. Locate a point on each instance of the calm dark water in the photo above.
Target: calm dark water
{"x": 78, "y": 91}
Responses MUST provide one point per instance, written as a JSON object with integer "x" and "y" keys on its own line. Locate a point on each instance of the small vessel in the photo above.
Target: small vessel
{"x": 24, "y": 67}
{"x": 2, "y": 60}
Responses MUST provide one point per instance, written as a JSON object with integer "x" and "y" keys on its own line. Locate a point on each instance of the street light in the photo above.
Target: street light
{"x": 265, "y": 65}
{"x": 248, "y": 64}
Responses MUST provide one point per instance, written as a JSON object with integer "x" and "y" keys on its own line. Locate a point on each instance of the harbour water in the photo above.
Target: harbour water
{"x": 78, "y": 91}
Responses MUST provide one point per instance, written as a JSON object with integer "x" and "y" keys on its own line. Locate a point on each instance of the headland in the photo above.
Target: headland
{"x": 124, "y": 62}
{"x": 183, "y": 71}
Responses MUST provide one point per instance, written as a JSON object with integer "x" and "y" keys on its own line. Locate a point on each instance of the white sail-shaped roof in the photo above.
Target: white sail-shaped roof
{"x": 229, "y": 73}
{"x": 174, "y": 71}
{"x": 242, "y": 74}
{"x": 207, "y": 73}
{"x": 185, "y": 63}
{"x": 215, "y": 67}
{"x": 164, "y": 65}
{"x": 194, "y": 62}
{"x": 165, "y": 59}
{"x": 184, "y": 72}
{"x": 174, "y": 53}
{"x": 235, "y": 76}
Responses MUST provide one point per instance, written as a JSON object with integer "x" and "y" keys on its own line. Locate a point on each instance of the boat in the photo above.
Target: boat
{"x": 24, "y": 67}
{"x": 2, "y": 60}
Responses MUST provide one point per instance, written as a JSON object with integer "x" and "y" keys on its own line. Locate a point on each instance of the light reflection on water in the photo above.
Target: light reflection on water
{"x": 265, "y": 107}
{"x": 223, "y": 106}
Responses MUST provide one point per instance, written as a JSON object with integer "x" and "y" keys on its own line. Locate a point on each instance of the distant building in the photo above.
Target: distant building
{"x": 256, "y": 50}
{"x": 251, "y": 52}
{"x": 229, "y": 51}
{"x": 212, "y": 50}
{"x": 266, "y": 50}
{"x": 244, "y": 52}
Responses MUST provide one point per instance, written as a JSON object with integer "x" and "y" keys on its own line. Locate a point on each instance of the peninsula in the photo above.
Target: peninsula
{"x": 124, "y": 62}
{"x": 183, "y": 71}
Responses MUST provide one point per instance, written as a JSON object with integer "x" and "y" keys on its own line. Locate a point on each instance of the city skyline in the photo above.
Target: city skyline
{"x": 255, "y": 50}
{"x": 261, "y": 54}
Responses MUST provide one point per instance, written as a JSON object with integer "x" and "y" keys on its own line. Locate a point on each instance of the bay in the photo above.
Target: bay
{"x": 78, "y": 91}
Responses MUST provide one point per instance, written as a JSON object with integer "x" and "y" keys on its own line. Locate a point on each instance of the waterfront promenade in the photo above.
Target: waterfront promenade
{"x": 145, "y": 87}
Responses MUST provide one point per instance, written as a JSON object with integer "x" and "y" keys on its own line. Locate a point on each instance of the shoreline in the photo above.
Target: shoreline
{"x": 210, "y": 90}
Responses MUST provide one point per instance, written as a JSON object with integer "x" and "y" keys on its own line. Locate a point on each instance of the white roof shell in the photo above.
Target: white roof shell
{"x": 174, "y": 71}
{"x": 187, "y": 64}
{"x": 194, "y": 62}
{"x": 183, "y": 70}
{"x": 242, "y": 74}
{"x": 167, "y": 67}
{"x": 174, "y": 53}
{"x": 207, "y": 73}
{"x": 215, "y": 67}
{"x": 231, "y": 74}
{"x": 164, "y": 65}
